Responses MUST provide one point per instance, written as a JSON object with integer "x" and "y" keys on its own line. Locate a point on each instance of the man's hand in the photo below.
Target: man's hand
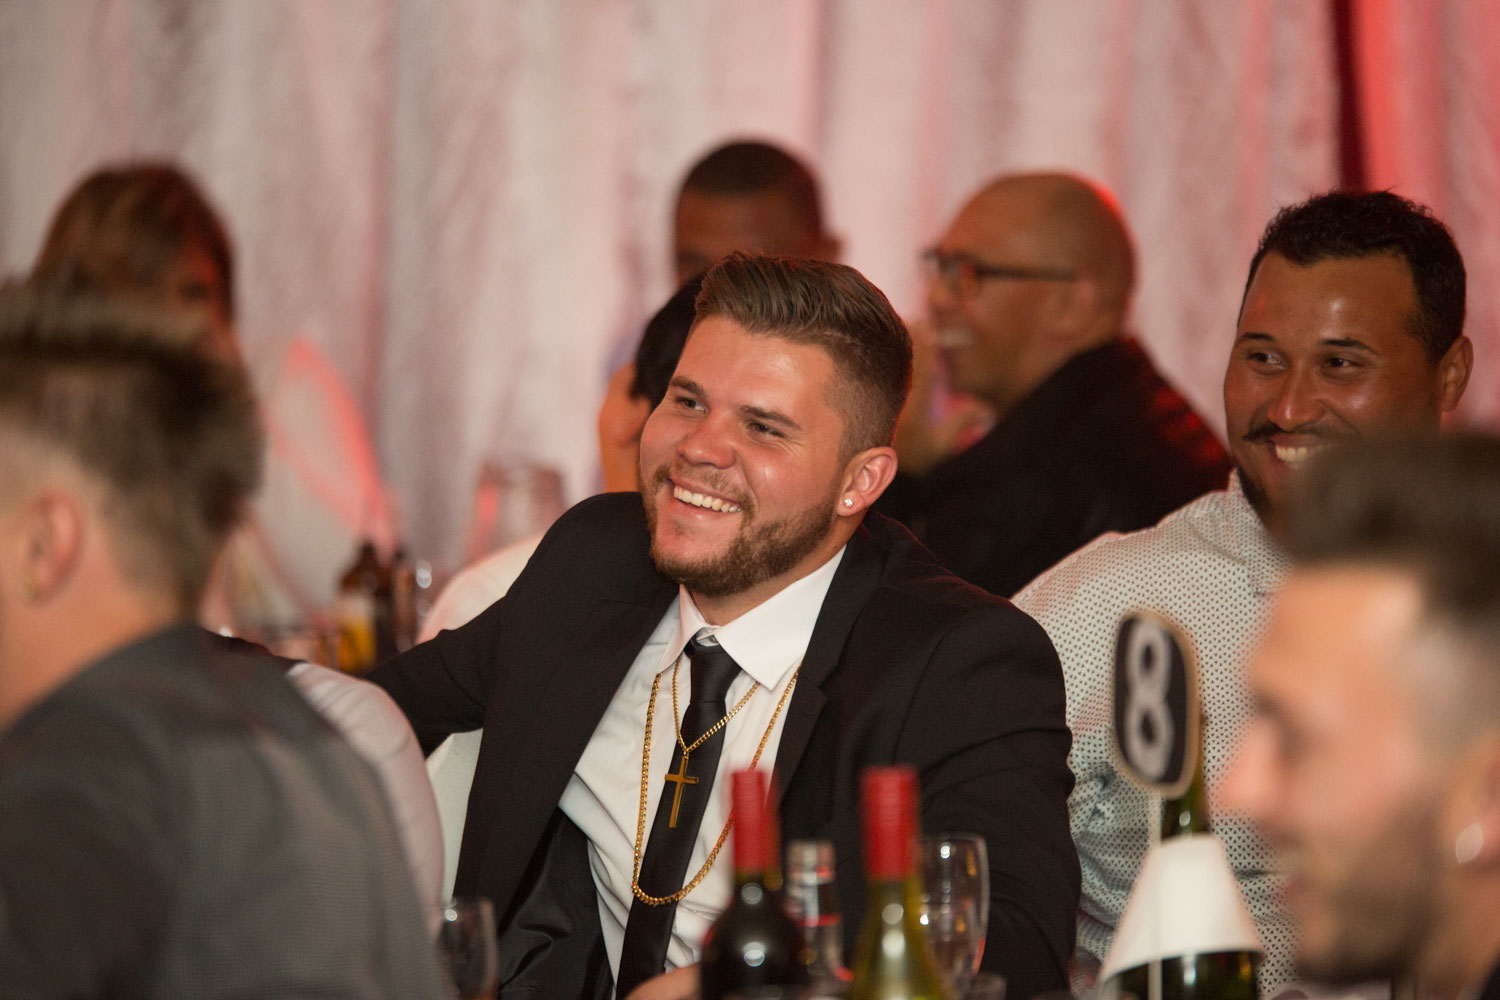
{"x": 922, "y": 441}
{"x": 621, "y": 417}
{"x": 679, "y": 984}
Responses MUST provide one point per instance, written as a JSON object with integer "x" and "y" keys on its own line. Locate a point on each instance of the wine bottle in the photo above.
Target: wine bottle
{"x": 754, "y": 943}
{"x": 892, "y": 960}
{"x": 403, "y": 574}
{"x": 1226, "y": 975}
{"x": 813, "y": 902}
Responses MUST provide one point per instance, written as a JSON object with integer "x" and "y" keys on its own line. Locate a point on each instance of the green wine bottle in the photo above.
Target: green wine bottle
{"x": 892, "y": 960}
{"x": 1225, "y": 975}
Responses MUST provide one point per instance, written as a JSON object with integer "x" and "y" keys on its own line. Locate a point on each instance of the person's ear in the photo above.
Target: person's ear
{"x": 48, "y": 544}
{"x": 1075, "y": 305}
{"x": 1454, "y": 369}
{"x": 866, "y": 476}
{"x": 1475, "y": 830}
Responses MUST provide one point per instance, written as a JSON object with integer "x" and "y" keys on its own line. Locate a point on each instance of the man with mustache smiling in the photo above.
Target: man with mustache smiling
{"x": 1351, "y": 323}
{"x": 747, "y": 583}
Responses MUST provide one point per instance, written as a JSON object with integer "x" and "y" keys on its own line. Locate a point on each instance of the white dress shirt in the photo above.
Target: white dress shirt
{"x": 372, "y": 723}
{"x": 603, "y": 796}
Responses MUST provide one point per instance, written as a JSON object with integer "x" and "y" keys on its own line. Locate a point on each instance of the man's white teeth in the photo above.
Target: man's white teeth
{"x": 1293, "y": 456}
{"x": 703, "y": 500}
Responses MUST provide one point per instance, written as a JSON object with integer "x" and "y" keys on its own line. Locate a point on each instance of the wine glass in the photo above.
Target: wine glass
{"x": 467, "y": 947}
{"x": 956, "y": 903}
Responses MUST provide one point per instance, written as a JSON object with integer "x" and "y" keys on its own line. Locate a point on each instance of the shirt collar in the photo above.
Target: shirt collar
{"x": 768, "y": 640}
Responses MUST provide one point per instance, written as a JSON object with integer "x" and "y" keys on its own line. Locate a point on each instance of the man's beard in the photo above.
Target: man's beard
{"x": 1384, "y": 908}
{"x": 759, "y": 552}
{"x": 1255, "y": 495}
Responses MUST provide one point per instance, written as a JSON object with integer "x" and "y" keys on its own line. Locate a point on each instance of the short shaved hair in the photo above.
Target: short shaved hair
{"x": 170, "y": 434}
{"x": 832, "y": 307}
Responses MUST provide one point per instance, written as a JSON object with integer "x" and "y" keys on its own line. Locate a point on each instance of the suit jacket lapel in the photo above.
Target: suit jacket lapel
{"x": 857, "y": 575}
{"x": 598, "y": 649}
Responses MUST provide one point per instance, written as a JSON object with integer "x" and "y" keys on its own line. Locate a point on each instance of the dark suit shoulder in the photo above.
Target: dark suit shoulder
{"x": 916, "y": 595}
{"x": 613, "y": 520}
{"x": 601, "y": 545}
{"x": 912, "y": 571}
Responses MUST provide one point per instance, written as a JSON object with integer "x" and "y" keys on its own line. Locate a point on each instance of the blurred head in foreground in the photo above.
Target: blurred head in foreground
{"x": 127, "y": 455}
{"x": 145, "y": 233}
{"x": 750, "y": 197}
{"x": 1373, "y": 761}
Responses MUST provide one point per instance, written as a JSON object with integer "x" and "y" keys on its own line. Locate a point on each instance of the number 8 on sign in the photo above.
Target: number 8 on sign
{"x": 1155, "y": 705}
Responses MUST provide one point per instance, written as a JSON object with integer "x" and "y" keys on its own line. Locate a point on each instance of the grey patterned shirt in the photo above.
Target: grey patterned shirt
{"x": 1209, "y": 567}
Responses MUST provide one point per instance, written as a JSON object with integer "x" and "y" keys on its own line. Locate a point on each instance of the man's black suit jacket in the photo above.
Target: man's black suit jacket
{"x": 906, "y": 664}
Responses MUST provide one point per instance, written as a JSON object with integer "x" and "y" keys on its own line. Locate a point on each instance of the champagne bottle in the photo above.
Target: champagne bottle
{"x": 1228, "y": 975}
{"x": 892, "y": 960}
{"x": 754, "y": 943}
{"x": 813, "y": 902}
{"x": 403, "y": 573}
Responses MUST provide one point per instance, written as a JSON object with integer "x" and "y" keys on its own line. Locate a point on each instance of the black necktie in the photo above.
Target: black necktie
{"x": 664, "y": 864}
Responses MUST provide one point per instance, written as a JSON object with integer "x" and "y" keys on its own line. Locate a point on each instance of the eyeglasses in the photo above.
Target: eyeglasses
{"x": 963, "y": 272}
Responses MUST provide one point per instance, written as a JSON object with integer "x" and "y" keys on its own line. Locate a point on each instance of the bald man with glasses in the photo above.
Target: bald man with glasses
{"x": 1028, "y": 293}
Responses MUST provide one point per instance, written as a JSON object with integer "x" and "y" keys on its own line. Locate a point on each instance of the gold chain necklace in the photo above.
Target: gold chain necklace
{"x": 677, "y": 713}
{"x": 640, "y": 818}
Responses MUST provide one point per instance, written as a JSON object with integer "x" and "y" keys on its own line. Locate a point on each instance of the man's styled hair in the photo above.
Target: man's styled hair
{"x": 830, "y": 306}
{"x": 170, "y": 434}
{"x": 122, "y": 227}
{"x": 744, "y": 168}
{"x": 1427, "y": 505}
{"x": 661, "y": 344}
{"x": 1346, "y": 225}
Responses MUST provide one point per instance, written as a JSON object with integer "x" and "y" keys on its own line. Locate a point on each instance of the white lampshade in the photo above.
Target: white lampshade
{"x": 1185, "y": 902}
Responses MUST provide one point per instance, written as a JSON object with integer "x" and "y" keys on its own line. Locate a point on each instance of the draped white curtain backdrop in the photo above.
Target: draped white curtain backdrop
{"x": 1429, "y": 78}
{"x": 465, "y": 203}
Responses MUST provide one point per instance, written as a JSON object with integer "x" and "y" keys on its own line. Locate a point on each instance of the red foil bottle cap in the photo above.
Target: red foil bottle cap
{"x": 751, "y": 839}
{"x": 889, "y": 795}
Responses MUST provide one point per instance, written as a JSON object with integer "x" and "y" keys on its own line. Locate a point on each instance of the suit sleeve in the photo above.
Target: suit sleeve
{"x": 443, "y": 685}
{"x": 988, "y": 732}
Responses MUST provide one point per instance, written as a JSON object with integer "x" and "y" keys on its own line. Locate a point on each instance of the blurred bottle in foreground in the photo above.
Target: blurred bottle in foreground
{"x": 754, "y": 944}
{"x": 813, "y": 902}
{"x": 893, "y": 960}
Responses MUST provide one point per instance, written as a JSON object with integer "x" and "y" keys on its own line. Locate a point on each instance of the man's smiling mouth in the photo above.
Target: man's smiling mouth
{"x": 705, "y": 501}
{"x": 1294, "y": 456}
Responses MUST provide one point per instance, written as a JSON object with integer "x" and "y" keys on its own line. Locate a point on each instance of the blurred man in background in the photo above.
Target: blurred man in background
{"x": 146, "y": 233}
{"x": 750, "y": 197}
{"x": 1372, "y": 762}
{"x": 1029, "y": 293}
{"x": 178, "y": 821}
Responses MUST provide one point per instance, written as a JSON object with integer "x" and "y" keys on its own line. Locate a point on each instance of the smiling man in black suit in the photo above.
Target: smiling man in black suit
{"x": 746, "y": 582}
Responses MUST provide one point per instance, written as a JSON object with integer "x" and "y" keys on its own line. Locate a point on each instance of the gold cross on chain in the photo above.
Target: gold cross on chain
{"x": 681, "y": 778}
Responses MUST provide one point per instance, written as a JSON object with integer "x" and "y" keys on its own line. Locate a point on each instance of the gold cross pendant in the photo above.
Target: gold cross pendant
{"x": 681, "y": 778}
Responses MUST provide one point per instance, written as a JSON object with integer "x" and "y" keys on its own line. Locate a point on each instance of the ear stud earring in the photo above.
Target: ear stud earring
{"x": 848, "y": 502}
{"x": 1469, "y": 843}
